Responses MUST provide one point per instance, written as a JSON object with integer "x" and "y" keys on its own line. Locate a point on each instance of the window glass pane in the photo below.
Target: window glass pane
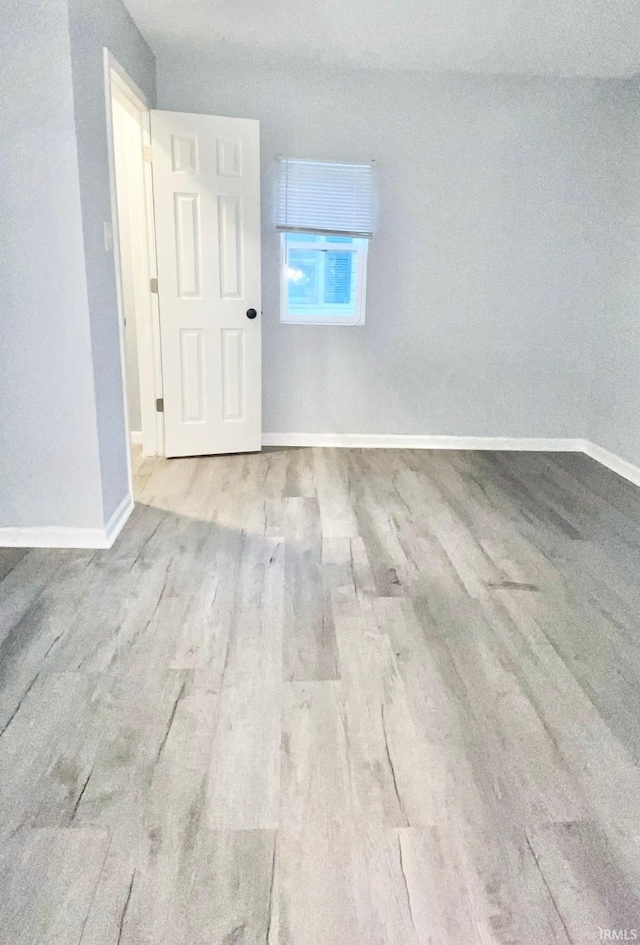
{"x": 321, "y": 277}
{"x": 303, "y": 276}
{"x": 337, "y": 278}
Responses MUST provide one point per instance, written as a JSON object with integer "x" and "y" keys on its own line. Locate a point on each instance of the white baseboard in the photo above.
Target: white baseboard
{"x": 118, "y": 520}
{"x": 135, "y": 436}
{"x": 54, "y": 536}
{"x": 615, "y": 463}
{"x": 420, "y": 442}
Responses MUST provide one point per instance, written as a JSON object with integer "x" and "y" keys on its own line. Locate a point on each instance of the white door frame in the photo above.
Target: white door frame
{"x": 147, "y": 320}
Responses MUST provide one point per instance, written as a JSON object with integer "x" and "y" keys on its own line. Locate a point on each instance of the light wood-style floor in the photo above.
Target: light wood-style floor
{"x": 329, "y": 697}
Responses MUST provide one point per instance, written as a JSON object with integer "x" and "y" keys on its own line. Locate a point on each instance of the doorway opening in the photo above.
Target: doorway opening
{"x": 191, "y": 356}
{"x": 133, "y": 236}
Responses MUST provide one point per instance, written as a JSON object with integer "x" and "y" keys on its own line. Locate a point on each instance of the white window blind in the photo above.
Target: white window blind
{"x": 328, "y": 198}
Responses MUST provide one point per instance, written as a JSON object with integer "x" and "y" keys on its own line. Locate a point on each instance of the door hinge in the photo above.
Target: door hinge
{"x": 160, "y": 405}
{"x": 154, "y": 286}
{"x": 147, "y": 154}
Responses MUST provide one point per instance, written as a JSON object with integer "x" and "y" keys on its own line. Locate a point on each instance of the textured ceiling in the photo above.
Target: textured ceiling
{"x": 539, "y": 37}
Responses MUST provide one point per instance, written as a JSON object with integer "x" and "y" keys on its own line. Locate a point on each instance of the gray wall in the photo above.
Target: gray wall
{"x": 486, "y": 272}
{"x": 615, "y": 396}
{"x": 49, "y": 465}
{"x": 62, "y": 429}
{"x": 93, "y": 26}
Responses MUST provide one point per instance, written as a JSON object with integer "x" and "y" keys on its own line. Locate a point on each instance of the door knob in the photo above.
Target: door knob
{"x": 251, "y": 313}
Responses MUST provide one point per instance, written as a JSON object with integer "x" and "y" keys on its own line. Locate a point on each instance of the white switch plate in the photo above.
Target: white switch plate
{"x": 108, "y": 237}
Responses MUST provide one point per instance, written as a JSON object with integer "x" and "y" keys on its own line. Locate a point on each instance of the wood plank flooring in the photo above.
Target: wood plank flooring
{"x": 329, "y": 697}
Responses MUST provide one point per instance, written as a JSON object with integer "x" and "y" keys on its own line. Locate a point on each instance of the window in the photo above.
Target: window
{"x": 323, "y": 279}
{"x": 325, "y": 215}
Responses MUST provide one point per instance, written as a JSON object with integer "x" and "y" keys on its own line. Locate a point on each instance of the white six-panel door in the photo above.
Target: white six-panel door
{"x": 206, "y": 181}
